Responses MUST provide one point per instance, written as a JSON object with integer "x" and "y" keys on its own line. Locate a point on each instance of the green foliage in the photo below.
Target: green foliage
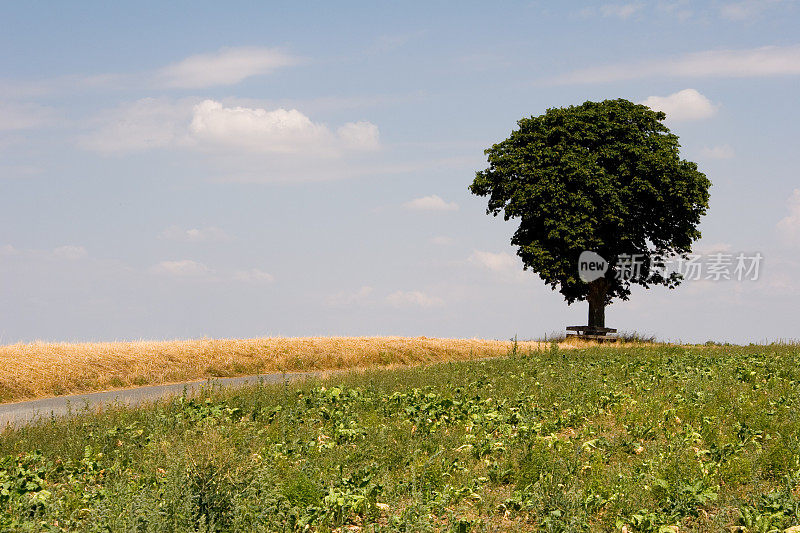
{"x": 602, "y": 176}
{"x": 646, "y": 437}
{"x": 775, "y": 510}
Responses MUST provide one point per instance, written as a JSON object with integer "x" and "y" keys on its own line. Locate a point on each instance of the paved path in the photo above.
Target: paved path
{"x": 19, "y": 413}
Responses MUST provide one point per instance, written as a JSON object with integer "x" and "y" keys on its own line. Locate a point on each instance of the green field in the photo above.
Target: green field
{"x": 705, "y": 438}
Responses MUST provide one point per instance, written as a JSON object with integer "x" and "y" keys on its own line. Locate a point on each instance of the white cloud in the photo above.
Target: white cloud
{"x": 227, "y": 66}
{"x": 413, "y": 299}
{"x": 207, "y": 234}
{"x": 185, "y": 268}
{"x": 350, "y": 298}
{"x": 501, "y": 263}
{"x": 257, "y": 129}
{"x": 278, "y": 131}
{"x": 210, "y": 126}
{"x": 687, "y": 104}
{"x": 754, "y": 62}
{"x": 680, "y": 9}
{"x": 23, "y": 116}
{"x": 740, "y": 10}
{"x": 780, "y": 283}
{"x": 745, "y": 10}
{"x": 145, "y": 124}
{"x": 789, "y": 226}
{"x": 622, "y": 11}
{"x": 70, "y": 252}
{"x": 441, "y": 240}
{"x": 254, "y": 275}
{"x": 722, "y": 151}
{"x": 67, "y": 252}
{"x": 430, "y": 203}
{"x": 359, "y": 135}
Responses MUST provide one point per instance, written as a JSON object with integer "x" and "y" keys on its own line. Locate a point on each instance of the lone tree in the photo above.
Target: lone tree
{"x": 605, "y": 177}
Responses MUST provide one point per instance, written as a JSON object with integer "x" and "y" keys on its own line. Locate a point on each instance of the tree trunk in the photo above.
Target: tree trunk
{"x": 597, "y": 303}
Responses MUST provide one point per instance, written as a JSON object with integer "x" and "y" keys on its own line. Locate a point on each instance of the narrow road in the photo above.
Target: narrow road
{"x": 19, "y": 413}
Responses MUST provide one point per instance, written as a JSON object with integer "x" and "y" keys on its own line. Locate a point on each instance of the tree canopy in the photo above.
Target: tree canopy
{"x": 601, "y": 176}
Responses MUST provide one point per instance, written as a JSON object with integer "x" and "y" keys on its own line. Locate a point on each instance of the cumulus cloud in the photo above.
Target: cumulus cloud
{"x": 430, "y": 203}
{"x": 687, "y": 104}
{"x": 280, "y": 130}
{"x": 789, "y": 226}
{"x": 207, "y": 234}
{"x": 253, "y": 275}
{"x": 23, "y": 116}
{"x": 754, "y": 62}
{"x": 722, "y": 151}
{"x": 70, "y": 252}
{"x": 350, "y": 298}
{"x": 185, "y": 268}
{"x": 359, "y": 135}
{"x": 227, "y": 66}
{"x": 211, "y": 126}
{"x": 502, "y": 263}
{"x": 503, "y": 266}
{"x": 413, "y": 299}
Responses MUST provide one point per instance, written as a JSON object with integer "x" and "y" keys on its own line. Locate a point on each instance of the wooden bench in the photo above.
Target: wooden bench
{"x": 592, "y": 333}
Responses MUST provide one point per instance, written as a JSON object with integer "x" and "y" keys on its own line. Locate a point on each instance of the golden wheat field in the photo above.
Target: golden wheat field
{"x": 39, "y": 369}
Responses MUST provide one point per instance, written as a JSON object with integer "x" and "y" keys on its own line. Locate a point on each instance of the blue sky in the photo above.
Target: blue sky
{"x": 250, "y": 169}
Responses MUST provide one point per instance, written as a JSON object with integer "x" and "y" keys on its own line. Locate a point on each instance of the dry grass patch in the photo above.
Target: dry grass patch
{"x": 40, "y": 369}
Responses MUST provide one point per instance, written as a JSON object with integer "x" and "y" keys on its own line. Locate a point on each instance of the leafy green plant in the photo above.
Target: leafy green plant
{"x": 646, "y": 437}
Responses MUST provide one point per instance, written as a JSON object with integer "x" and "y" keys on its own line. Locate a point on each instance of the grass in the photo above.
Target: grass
{"x": 36, "y": 370}
{"x": 645, "y": 438}
{"x": 631, "y": 337}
